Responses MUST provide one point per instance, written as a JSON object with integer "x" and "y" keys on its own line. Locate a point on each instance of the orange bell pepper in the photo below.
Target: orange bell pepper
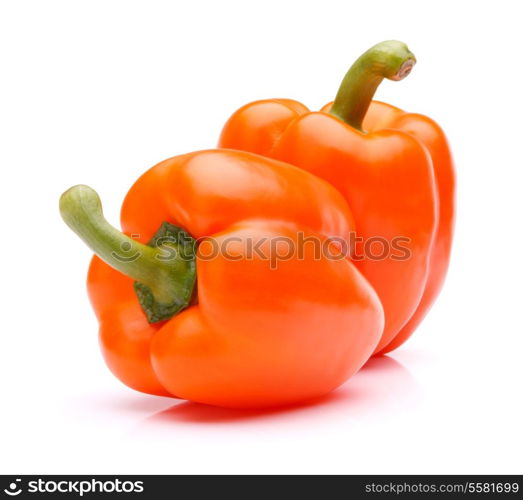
{"x": 233, "y": 328}
{"x": 394, "y": 169}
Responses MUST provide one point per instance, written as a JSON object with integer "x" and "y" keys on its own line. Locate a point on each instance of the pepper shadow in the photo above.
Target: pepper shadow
{"x": 383, "y": 381}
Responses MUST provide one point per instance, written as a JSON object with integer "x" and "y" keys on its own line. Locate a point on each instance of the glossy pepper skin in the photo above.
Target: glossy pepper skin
{"x": 394, "y": 169}
{"x": 254, "y": 334}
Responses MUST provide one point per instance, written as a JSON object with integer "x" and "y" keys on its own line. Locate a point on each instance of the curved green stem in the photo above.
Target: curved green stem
{"x": 164, "y": 270}
{"x": 390, "y": 59}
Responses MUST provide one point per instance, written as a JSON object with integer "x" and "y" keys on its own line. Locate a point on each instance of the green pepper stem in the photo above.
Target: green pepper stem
{"x": 391, "y": 59}
{"x": 169, "y": 280}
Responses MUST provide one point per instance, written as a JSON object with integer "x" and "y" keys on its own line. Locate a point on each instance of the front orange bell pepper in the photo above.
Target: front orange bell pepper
{"x": 394, "y": 169}
{"x": 218, "y": 322}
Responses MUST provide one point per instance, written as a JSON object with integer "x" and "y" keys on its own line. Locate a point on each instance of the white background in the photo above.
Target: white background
{"x": 96, "y": 92}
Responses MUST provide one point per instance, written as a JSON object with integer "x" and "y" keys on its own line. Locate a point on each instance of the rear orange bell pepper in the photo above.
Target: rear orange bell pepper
{"x": 231, "y": 327}
{"x": 394, "y": 169}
